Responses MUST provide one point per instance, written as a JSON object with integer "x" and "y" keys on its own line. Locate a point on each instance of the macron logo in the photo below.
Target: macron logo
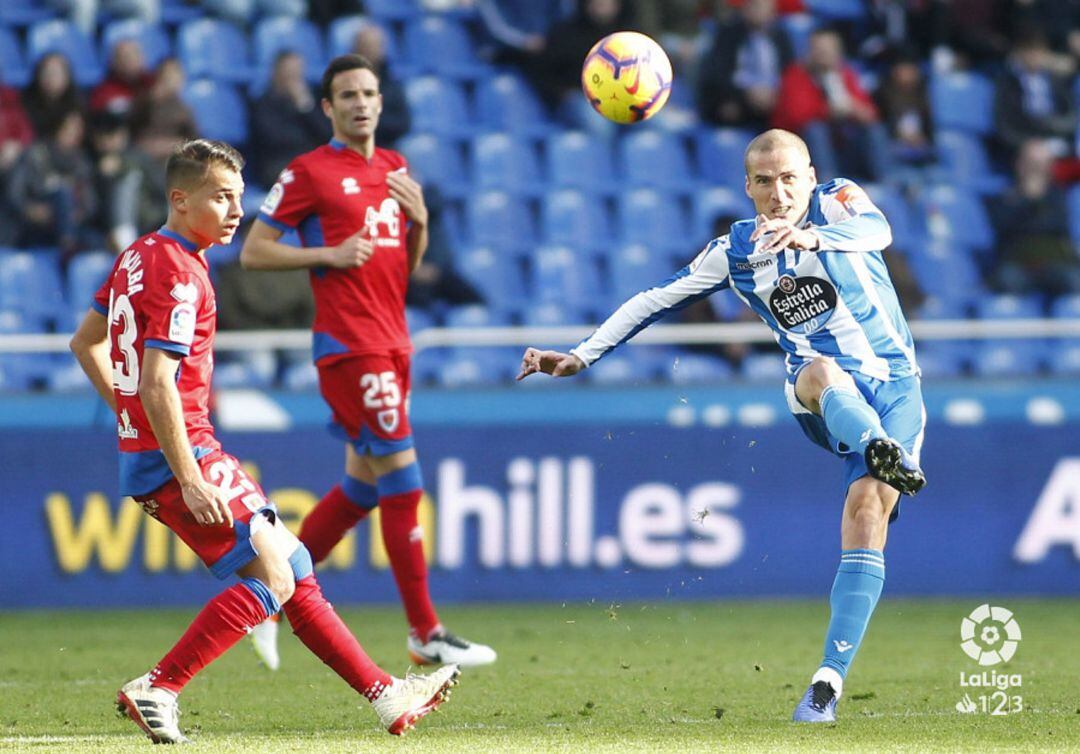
{"x": 842, "y": 646}
{"x": 350, "y": 185}
{"x": 866, "y": 436}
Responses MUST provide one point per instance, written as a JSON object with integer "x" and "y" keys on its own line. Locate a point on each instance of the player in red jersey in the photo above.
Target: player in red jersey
{"x": 146, "y": 345}
{"x": 363, "y": 225}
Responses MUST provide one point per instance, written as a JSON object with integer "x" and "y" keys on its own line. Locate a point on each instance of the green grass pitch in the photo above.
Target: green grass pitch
{"x": 667, "y": 676}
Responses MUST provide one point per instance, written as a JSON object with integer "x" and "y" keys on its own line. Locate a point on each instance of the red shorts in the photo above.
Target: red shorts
{"x": 369, "y": 398}
{"x": 221, "y": 548}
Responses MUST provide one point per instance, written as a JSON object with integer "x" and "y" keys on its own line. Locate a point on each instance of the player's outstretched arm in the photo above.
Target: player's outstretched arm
{"x": 90, "y": 344}
{"x": 161, "y": 402}
{"x": 264, "y": 251}
{"x": 549, "y": 362}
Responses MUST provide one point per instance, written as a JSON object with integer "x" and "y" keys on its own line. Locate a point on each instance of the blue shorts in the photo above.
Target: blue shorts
{"x": 898, "y": 404}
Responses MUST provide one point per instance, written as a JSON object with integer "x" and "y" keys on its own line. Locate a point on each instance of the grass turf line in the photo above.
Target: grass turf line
{"x": 664, "y": 676}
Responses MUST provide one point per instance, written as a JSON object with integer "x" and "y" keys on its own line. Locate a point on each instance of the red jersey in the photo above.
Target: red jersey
{"x": 159, "y": 295}
{"x": 327, "y": 195}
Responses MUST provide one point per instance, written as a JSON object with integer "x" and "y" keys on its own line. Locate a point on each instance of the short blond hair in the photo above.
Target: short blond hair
{"x": 772, "y": 140}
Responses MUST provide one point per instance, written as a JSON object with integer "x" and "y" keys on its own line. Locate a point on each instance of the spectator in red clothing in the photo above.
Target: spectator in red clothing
{"x": 127, "y": 79}
{"x": 822, "y": 100}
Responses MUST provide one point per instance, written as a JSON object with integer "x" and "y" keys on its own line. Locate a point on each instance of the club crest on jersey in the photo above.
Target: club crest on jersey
{"x": 350, "y": 185}
{"x": 802, "y": 305}
{"x": 388, "y": 419}
{"x": 387, "y": 215}
{"x": 124, "y": 428}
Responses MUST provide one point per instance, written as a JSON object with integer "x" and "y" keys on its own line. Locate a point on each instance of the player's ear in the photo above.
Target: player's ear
{"x": 178, "y": 199}
{"x": 813, "y": 176}
{"x": 327, "y": 108}
{"x": 747, "y": 186}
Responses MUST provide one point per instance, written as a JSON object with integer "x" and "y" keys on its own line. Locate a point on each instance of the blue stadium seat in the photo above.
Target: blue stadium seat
{"x": 248, "y": 370}
{"x": 713, "y": 203}
{"x": 438, "y": 106}
{"x": 418, "y": 319}
{"x": 618, "y": 368}
{"x": 220, "y": 112}
{"x": 176, "y": 12}
{"x": 655, "y": 158}
{"x": 66, "y": 38}
{"x": 341, "y": 38}
{"x": 561, "y": 275}
{"x": 694, "y": 368}
{"x": 553, "y": 314}
{"x": 963, "y": 158}
{"x": 574, "y": 218}
{"x": 941, "y": 359}
{"x": 464, "y": 367}
{"x": 506, "y": 102}
{"x": 1074, "y": 214}
{"x": 30, "y": 284}
{"x": 633, "y": 268}
{"x": 580, "y": 160}
{"x": 1008, "y": 357}
{"x": 436, "y": 161}
{"x": 957, "y": 215}
{"x": 273, "y": 36}
{"x": 441, "y": 46}
{"x": 152, "y": 39}
{"x": 504, "y": 161}
{"x": 396, "y": 10}
{"x": 214, "y": 49}
{"x": 836, "y": 10}
{"x": 85, "y": 274}
{"x": 496, "y": 275}
{"x": 798, "y": 27}
{"x": 651, "y": 218}
{"x": 720, "y": 156}
{"x": 1064, "y": 356}
{"x": 763, "y": 367}
{"x": 20, "y": 371}
{"x": 474, "y": 315}
{"x": 947, "y": 270}
{"x": 13, "y": 68}
{"x": 24, "y": 12}
{"x": 963, "y": 101}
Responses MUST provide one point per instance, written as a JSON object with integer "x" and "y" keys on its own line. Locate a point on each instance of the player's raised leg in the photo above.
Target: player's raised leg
{"x": 827, "y": 390}
{"x": 855, "y": 592}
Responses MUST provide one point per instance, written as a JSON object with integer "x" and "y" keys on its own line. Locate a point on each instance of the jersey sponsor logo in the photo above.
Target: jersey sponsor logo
{"x": 182, "y": 324}
{"x": 350, "y": 185}
{"x": 124, "y": 428}
{"x": 273, "y": 198}
{"x": 388, "y": 215}
{"x": 802, "y": 305}
{"x": 185, "y": 293}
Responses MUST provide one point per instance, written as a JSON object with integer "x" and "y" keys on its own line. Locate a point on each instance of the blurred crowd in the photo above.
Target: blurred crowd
{"x": 82, "y": 169}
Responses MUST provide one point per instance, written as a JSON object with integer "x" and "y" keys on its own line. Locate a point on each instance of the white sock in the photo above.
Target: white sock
{"x": 831, "y": 677}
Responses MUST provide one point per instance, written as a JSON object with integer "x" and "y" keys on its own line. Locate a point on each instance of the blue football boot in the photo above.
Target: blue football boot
{"x": 818, "y": 704}
{"x": 887, "y": 461}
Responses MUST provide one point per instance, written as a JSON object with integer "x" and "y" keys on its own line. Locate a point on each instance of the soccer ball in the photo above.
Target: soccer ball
{"x": 626, "y": 77}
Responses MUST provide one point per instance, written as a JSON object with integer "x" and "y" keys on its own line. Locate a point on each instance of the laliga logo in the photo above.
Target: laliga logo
{"x": 989, "y": 635}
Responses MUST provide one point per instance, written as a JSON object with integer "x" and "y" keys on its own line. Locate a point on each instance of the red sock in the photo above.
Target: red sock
{"x": 222, "y": 623}
{"x": 328, "y": 522}
{"x": 403, "y": 539}
{"x": 323, "y": 632}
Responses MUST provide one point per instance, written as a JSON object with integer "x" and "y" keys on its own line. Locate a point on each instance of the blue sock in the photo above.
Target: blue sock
{"x": 849, "y": 418}
{"x": 854, "y": 596}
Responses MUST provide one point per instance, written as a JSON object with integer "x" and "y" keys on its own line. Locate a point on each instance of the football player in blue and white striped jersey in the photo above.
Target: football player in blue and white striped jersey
{"x": 810, "y": 265}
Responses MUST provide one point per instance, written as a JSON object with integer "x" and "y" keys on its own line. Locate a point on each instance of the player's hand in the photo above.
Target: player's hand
{"x": 784, "y": 235}
{"x": 354, "y": 251}
{"x": 207, "y": 504}
{"x": 409, "y": 195}
{"x": 549, "y": 362}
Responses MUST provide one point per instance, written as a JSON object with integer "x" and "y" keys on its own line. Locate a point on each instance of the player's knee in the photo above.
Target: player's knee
{"x": 280, "y": 579}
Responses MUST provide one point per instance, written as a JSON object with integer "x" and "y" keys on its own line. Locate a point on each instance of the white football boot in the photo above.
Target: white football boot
{"x": 264, "y": 641}
{"x": 153, "y": 709}
{"x": 406, "y": 700}
{"x": 444, "y": 647}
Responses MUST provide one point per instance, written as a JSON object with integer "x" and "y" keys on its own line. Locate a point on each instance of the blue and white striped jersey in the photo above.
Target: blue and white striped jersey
{"x": 837, "y": 301}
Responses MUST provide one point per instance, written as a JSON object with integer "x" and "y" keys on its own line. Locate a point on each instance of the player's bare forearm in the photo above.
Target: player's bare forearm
{"x": 416, "y": 242}
{"x": 161, "y": 402}
{"x": 90, "y": 344}
{"x": 263, "y": 251}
